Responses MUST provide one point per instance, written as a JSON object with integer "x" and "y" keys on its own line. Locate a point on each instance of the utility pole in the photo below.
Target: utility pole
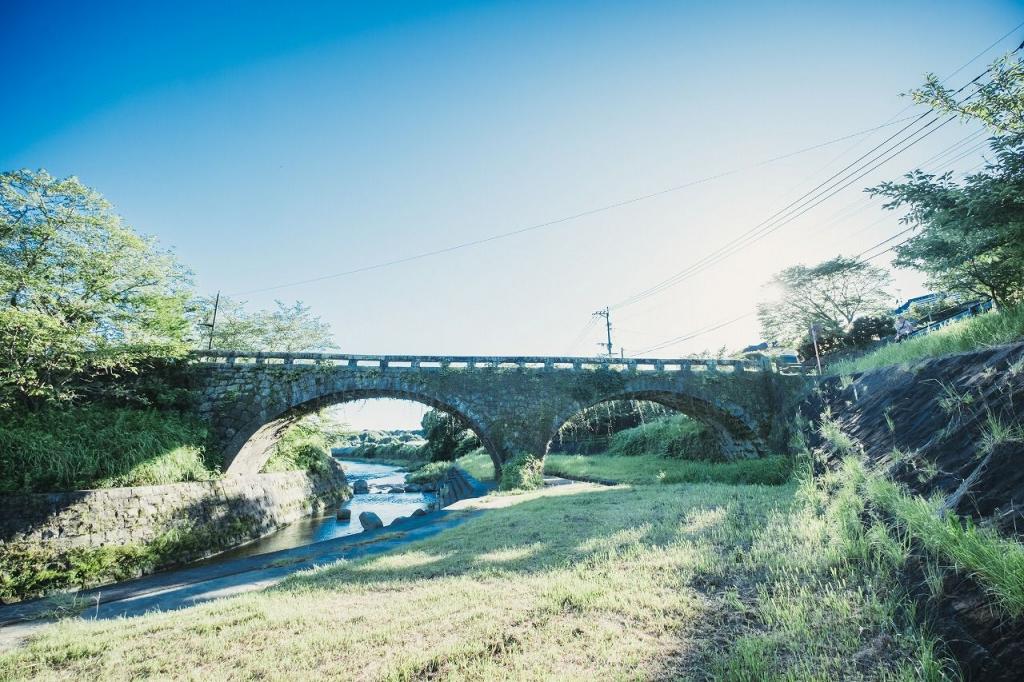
{"x": 606, "y": 314}
{"x": 212, "y": 324}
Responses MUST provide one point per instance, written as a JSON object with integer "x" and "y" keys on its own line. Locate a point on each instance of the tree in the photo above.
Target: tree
{"x": 833, "y": 294}
{"x": 81, "y": 293}
{"x": 970, "y": 234}
{"x": 287, "y": 328}
{"x": 448, "y": 436}
{"x": 998, "y": 102}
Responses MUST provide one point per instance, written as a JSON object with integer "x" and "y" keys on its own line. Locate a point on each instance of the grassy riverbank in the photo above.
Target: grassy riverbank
{"x": 693, "y": 581}
{"x": 991, "y": 329}
{"x": 649, "y": 469}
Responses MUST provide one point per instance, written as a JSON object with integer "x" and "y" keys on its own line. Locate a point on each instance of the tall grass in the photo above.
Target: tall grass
{"x": 479, "y": 465}
{"x": 652, "y": 469}
{"x": 573, "y": 582}
{"x": 302, "y": 447}
{"x": 996, "y": 563}
{"x": 673, "y": 436}
{"x": 990, "y": 329}
{"x": 96, "y": 446}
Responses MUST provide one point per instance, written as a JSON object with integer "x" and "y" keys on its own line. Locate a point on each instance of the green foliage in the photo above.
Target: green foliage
{"x": 82, "y": 294}
{"x": 286, "y": 328}
{"x": 304, "y": 447}
{"x": 448, "y": 436}
{"x": 98, "y": 446}
{"x": 996, "y": 563}
{"x": 478, "y": 464}
{"x": 653, "y": 469}
{"x": 522, "y": 472}
{"x": 970, "y": 236}
{"x": 833, "y": 293}
{"x": 672, "y": 436}
{"x": 998, "y": 102}
{"x": 970, "y": 239}
{"x": 591, "y": 429}
{"x": 431, "y": 472}
{"x": 696, "y": 581}
{"x": 991, "y": 329}
{"x": 397, "y": 446}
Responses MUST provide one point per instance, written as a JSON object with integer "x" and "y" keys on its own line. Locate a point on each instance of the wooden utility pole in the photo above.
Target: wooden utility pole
{"x": 606, "y": 314}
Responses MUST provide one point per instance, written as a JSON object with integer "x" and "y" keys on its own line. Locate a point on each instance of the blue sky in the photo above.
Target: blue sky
{"x": 268, "y": 144}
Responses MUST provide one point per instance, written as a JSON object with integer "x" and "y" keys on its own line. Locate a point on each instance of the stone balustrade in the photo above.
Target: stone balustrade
{"x": 434, "y": 362}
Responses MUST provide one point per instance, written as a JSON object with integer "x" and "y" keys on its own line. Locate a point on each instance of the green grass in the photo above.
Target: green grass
{"x": 97, "y": 446}
{"x": 31, "y": 569}
{"x": 648, "y": 469}
{"x": 672, "y": 436}
{"x": 990, "y": 329}
{"x": 431, "y": 472}
{"x": 650, "y": 582}
{"x": 996, "y": 563}
{"x": 303, "y": 447}
{"x": 478, "y": 464}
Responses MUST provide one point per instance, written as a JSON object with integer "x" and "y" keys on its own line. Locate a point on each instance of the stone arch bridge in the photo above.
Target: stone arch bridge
{"x": 513, "y": 404}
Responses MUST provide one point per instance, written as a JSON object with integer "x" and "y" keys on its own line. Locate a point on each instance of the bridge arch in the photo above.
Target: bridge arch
{"x": 514, "y": 405}
{"x": 253, "y": 442}
{"x": 738, "y": 433}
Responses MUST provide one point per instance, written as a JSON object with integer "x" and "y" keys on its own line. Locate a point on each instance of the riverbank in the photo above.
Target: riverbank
{"x": 572, "y": 581}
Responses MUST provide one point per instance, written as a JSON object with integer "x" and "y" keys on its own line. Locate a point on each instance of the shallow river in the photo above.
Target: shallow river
{"x": 388, "y": 506}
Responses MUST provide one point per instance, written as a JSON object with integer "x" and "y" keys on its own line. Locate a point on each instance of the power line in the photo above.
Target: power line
{"x": 565, "y": 219}
{"x": 810, "y": 199}
{"x": 765, "y": 228}
{"x": 793, "y": 210}
{"x": 676, "y": 279}
{"x": 691, "y": 335}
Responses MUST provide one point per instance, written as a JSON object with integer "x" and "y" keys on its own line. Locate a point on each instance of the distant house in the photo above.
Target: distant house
{"x": 904, "y": 307}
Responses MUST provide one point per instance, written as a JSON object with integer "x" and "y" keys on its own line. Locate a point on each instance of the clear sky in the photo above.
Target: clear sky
{"x": 269, "y": 144}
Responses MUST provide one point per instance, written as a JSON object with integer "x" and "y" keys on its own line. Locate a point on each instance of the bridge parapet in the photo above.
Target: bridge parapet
{"x": 439, "y": 362}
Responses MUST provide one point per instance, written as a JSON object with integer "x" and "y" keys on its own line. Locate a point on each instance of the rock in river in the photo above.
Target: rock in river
{"x": 370, "y": 520}
{"x": 360, "y": 487}
{"x": 344, "y": 514}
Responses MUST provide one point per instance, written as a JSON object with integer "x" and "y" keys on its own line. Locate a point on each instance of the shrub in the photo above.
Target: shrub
{"x": 302, "y": 447}
{"x": 522, "y": 472}
{"x": 675, "y": 436}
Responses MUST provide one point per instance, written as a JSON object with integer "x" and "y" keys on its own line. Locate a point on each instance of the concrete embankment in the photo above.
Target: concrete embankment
{"x": 194, "y": 519}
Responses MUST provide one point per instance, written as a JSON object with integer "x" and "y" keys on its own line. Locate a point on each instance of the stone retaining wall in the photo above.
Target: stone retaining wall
{"x": 228, "y": 512}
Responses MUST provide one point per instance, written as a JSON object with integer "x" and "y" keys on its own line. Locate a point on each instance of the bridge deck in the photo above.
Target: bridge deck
{"x": 428, "y": 362}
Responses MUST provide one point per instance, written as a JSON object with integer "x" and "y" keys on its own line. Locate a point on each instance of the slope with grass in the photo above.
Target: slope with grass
{"x": 940, "y": 446}
{"x": 666, "y": 581}
{"x": 991, "y": 329}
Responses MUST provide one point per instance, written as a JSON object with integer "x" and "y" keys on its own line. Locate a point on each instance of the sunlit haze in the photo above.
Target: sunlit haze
{"x": 269, "y": 145}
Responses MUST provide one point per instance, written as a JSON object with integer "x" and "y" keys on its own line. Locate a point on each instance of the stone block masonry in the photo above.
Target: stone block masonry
{"x": 513, "y": 404}
{"x": 226, "y": 512}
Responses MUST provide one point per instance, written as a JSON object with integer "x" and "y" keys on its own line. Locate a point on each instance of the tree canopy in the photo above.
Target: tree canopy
{"x": 287, "y": 327}
{"x": 970, "y": 233}
{"x": 833, "y": 294}
{"x": 82, "y": 293}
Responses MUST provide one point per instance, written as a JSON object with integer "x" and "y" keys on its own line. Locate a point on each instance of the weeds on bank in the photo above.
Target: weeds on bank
{"x": 650, "y": 469}
{"x": 99, "y": 446}
{"x": 991, "y": 329}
